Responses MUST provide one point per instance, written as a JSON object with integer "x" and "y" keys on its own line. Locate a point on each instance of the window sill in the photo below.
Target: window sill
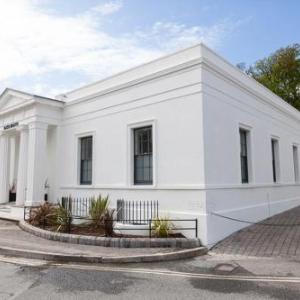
{"x": 142, "y": 186}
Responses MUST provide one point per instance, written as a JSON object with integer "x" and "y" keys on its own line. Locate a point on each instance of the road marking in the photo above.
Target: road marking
{"x": 143, "y": 271}
{"x": 23, "y": 261}
{"x": 180, "y": 274}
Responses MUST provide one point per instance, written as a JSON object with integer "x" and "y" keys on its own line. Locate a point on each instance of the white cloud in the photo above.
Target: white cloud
{"x": 35, "y": 42}
{"x": 108, "y": 7}
{"x": 169, "y": 36}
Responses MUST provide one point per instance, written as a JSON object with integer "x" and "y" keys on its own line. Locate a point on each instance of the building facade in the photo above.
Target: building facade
{"x": 189, "y": 130}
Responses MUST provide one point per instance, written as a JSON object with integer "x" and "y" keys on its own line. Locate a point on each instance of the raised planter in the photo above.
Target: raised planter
{"x": 183, "y": 243}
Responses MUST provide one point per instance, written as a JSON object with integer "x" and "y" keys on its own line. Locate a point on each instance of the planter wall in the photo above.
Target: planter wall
{"x": 112, "y": 241}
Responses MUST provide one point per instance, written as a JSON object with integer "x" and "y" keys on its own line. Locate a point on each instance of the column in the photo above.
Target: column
{"x": 37, "y": 164}
{"x": 22, "y": 166}
{"x": 4, "y": 167}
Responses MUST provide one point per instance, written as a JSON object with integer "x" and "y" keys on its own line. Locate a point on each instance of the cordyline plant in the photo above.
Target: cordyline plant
{"x": 97, "y": 210}
{"x": 43, "y": 215}
{"x": 63, "y": 219}
{"x": 161, "y": 227}
{"x": 109, "y": 222}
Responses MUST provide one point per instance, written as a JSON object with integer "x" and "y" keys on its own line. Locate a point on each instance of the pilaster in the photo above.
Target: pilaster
{"x": 36, "y": 168}
{"x": 4, "y": 167}
{"x": 22, "y": 166}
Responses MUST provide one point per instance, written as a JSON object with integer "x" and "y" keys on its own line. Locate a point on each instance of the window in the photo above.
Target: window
{"x": 296, "y": 163}
{"x": 244, "y": 155}
{"x": 275, "y": 159}
{"x": 86, "y": 159}
{"x": 143, "y": 170}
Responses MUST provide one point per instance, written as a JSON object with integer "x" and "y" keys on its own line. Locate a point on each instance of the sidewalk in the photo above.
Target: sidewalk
{"x": 16, "y": 242}
{"x": 278, "y": 236}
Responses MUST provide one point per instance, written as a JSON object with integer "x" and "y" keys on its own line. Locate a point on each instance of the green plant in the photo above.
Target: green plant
{"x": 63, "y": 219}
{"x": 161, "y": 227}
{"x": 108, "y": 220}
{"x": 42, "y": 215}
{"x": 98, "y": 209}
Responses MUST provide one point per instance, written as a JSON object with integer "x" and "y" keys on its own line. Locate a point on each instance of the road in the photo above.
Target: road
{"x": 191, "y": 279}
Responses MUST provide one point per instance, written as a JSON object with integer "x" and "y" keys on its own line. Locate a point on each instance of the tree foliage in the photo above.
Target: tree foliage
{"x": 280, "y": 72}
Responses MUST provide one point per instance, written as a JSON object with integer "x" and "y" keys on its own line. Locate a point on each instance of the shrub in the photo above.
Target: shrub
{"x": 108, "y": 221}
{"x": 63, "y": 219}
{"x": 42, "y": 215}
{"x": 161, "y": 227}
{"x": 98, "y": 209}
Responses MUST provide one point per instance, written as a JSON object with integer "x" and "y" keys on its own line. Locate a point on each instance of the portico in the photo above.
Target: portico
{"x": 28, "y": 127}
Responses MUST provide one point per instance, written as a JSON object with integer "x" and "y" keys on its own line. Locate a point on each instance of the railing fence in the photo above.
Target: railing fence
{"x": 136, "y": 212}
{"x": 79, "y": 207}
{"x": 128, "y": 212}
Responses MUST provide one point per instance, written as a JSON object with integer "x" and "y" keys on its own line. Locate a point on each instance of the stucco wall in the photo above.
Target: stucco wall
{"x": 227, "y": 106}
{"x": 173, "y": 105}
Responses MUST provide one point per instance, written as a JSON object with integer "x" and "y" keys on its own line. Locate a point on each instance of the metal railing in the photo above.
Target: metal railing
{"x": 128, "y": 212}
{"x": 79, "y": 207}
{"x": 136, "y": 212}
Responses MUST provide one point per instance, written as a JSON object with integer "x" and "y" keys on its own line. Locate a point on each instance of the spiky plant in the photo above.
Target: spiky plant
{"x": 161, "y": 227}
{"x": 97, "y": 210}
{"x": 42, "y": 215}
{"x": 63, "y": 219}
{"x": 109, "y": 222}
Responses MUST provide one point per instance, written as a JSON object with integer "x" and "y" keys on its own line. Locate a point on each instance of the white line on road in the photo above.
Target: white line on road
{"x": 145, "y": 271}
{"x": 181, "y": 274}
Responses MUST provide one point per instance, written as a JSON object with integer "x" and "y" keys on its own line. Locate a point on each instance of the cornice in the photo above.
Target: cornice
{"x": 17, "y": 107}
{"x": 141, "y": 80}
{"x": 271, "y": 99}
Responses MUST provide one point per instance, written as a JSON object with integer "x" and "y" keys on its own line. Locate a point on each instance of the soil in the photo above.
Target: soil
{"x": 81, "y": 230}
{"x": 93, "y": 231}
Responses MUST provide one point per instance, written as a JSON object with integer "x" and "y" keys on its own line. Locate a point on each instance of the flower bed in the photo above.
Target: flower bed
{"x": 120, "y": 242}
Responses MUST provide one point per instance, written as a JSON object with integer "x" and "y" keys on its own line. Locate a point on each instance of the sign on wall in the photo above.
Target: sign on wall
{"x": 11, "y": 125}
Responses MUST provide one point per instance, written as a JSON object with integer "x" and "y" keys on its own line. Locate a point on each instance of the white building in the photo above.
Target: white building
{"x": 193, "y": 112}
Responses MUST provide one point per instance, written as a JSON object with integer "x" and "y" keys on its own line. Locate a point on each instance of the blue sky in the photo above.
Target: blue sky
{"x": 52, "y": 46}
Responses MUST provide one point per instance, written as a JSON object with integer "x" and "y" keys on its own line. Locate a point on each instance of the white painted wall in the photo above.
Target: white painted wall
{"x": 196, "y": 102}
{"x": 173, "y": 105}
{"x": 229, "y": 105}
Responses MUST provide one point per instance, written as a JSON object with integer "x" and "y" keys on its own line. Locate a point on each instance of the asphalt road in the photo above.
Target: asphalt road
{"x": 177, "y": 280}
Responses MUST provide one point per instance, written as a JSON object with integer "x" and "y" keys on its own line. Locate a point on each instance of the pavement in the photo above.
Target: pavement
{"x": 16, "y": 242}
{"x": 10, "y": 211}
{"x": 278, "y": 236}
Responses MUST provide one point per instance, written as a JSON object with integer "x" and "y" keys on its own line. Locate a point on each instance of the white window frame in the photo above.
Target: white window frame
{"x": 277, "y": 159}
{"x": 78, "y": 149}
{"x": 130, "y": 153}
{"x": 296, "y": 162}
{"x": 249, "y": 130}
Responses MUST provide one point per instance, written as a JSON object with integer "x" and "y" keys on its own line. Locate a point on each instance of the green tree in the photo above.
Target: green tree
{"x": 280, "y": 72}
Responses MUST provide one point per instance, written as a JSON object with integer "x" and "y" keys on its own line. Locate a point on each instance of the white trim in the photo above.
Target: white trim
{"x": 250, "y": 158}
{"x": 186, "y": 67}
{"x": 195, "y": 85}
{"x": 296, "y": 162}
{"x": 244, "y": 106}
{"x": 253, "y": 88}
{"x": 143, "y": 65}
{"x": 78, "y": 136}
{"x": 193, "y": 187}
{"x": 277, "y": 158}
{"x": 178, "y": 97}
{"x": 130, "y": 151}
{"x": 227, "y": 71}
